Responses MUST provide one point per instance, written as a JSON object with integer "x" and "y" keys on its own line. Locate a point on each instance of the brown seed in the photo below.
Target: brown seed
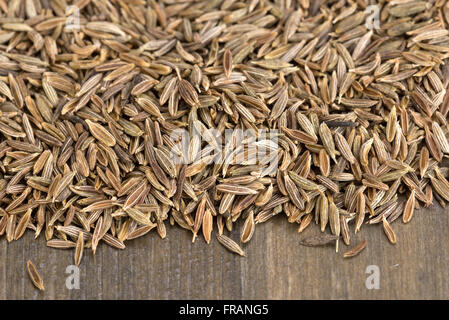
{"x": 227, "y": 63}
{"x": 344, "y": 148}
{"x": 101, "y": 134}
{"x": 334, "y": 218}
{"x": 139, "y": 217}
{"x": 60, "y": 244}
{"x": 235, "y": 189}
{"x": 344, "y": 227}
{"x": 96, "y": 234}
{"x": 199, "y": 216}
{"x": 293, "y": 192}
{"x": 409, "y": 207}
{"x": 35, "y": 276}
{"x": 230, "y": 244}
{"x": 360, "y": 209}
{"x": 328, "y": 140}
{"x": 22, "y": 225}
{"x": 248, "y": 228}
{"x": 10, "y": 228}
{"x": 391, "y": 125}
{"x": 423, "y": 161}
{"x": 207, "y": 225}
{"x": 323, "y": 211}
{"x": 305, "y": 222}
{"x": 388, "y": 231}
{"x": 79, "y": 249}
{"x": 356, "y": 250}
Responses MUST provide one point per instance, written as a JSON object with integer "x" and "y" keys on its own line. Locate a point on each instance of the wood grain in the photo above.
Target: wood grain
{"x": 276, "y": 266}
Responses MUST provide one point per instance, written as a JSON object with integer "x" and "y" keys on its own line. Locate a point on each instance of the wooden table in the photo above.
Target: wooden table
{"x": 276, "y": 266}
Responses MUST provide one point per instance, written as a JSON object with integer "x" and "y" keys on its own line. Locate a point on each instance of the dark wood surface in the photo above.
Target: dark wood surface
{"x": 276, "y": 266}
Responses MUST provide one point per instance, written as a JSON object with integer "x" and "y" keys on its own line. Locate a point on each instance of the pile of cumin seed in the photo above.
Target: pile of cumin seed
{"x": 91, "y": 92}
